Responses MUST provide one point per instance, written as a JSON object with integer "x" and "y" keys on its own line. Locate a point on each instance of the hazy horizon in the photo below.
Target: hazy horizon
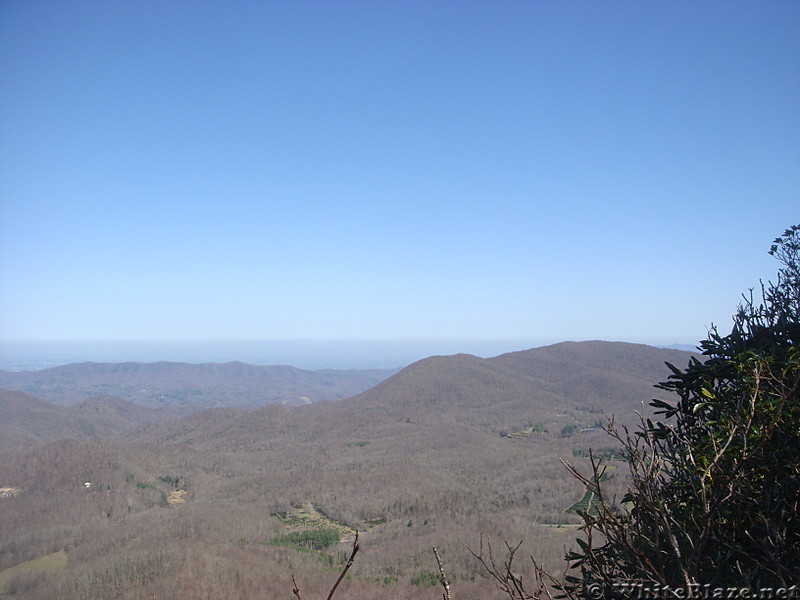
{"x": 304, "y": 354}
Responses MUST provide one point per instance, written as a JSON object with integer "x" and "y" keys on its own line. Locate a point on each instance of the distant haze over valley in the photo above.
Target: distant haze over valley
{"x": 304, "y": 354}
{"x": 166, "y": 383}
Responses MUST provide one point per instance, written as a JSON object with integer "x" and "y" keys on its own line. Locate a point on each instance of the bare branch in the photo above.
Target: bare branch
{"x": 295, "y": 589}
{"x": 445, "y": 584}
{"x": 510, "y": 583}
{"x": 346, "y": 567}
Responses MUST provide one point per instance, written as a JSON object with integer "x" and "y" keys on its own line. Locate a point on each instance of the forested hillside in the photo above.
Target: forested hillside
{"x": 213, "y": 505}
{"x": 164, "y": 383}
{"x": 26, "y": 419}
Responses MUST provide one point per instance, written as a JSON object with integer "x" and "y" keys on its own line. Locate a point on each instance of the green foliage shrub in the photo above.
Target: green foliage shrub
{"x": 358, "y": 444}
{"x": 715, "y": 483}
{"x": 600, "y": 453}
{"x": 311, "y": 539}
{"x": 426, "y": 579}
{"x": 172, "y": 481}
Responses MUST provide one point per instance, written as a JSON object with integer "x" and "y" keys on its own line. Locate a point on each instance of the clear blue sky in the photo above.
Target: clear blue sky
{"x": 364, "y": 170}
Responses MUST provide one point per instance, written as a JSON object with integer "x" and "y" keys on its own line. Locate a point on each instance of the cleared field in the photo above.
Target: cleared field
{"x": 309, "y": 516}
{"x": 52, "y": 562}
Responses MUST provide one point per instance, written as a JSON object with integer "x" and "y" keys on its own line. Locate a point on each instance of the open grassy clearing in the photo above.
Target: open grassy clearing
{"x": 309, "y": 516}
{"x": 588, "y": 504}
{"x": 52, "y": 562}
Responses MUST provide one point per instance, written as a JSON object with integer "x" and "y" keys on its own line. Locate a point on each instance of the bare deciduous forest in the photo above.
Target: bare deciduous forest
{"x": 123, "y": 502}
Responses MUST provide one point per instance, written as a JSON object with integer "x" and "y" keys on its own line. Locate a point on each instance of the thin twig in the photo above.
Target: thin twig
{"x": 295, "y": 589}
{"x": 509, "y": 583}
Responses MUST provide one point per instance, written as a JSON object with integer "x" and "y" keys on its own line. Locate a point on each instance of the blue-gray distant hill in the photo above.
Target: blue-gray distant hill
{"x": 460, "y": 398}
{"x": 164, "y": 384}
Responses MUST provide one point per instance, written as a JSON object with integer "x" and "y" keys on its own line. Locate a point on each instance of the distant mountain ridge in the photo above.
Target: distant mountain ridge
{"x": 459, "y": 430}
{"x": 207, "y": 384}
{"x": 571, "y": 383}
{"x": 592, "y": 376}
